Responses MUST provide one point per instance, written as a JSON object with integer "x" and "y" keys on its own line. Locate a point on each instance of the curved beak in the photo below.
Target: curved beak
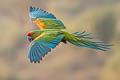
{"x": 30, "y": 38}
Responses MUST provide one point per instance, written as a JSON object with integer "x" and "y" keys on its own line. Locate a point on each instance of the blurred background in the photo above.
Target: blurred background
{"x": 66, "y": 62}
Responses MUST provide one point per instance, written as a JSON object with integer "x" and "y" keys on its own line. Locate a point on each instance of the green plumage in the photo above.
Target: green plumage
{"x": 52, "y": 23}
{"x": 79, "y": 39}
{"x": 51, "y": 34}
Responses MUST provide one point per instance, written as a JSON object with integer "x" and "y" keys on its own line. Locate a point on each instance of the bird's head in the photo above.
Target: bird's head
{"x": 33, "y": 34}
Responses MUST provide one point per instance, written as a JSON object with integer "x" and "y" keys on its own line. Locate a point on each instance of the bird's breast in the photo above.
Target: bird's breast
{"x": 39, "y": 36}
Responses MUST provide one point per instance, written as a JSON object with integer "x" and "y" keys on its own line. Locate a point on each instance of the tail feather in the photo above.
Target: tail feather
{"x": 83, "y": 35}
{"x": 81, "y": 39}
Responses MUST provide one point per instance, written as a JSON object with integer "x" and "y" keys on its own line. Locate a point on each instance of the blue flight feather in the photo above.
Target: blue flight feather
{"x": 37, "y": 51}
{"x": 55, "y": 42}
{"x": 39, "y": 13}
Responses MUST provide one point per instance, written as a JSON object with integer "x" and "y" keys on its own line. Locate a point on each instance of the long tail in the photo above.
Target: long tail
{"x": 82, "y": 39}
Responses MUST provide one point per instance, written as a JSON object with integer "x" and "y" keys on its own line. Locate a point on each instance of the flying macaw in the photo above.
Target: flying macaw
{"x": 42, "y": 41}
{"x": 49, "y": 36}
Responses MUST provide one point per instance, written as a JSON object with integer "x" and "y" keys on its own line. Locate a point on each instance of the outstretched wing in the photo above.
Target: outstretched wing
{"x": 37, "y": 51}
{"x": 39, "y": 13}
{"x": 39, "y": 48}
{"x": 44, "y": 20}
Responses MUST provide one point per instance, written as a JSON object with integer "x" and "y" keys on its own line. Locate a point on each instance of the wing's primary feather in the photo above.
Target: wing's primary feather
{"x": 44, "y": 20}
{"x": 39, "y": 49}
{"x": 39, "y": 13}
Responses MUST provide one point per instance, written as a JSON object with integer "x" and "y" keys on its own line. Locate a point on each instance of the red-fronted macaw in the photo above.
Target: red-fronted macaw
{"x": 51, "y": 34}
{"x": 42, "y": 41}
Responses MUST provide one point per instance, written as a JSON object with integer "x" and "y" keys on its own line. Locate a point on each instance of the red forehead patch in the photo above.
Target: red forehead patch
{"x": 29, "y": 33}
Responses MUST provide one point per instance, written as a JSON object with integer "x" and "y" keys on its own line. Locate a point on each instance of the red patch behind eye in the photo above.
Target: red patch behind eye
{"x": 35, "y": 33}
{"x": 29, "y": 33}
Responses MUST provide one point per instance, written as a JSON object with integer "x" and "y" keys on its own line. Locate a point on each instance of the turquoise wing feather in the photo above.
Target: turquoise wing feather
{"x": 37, "y": 51}
{"x": 39, "y": 48}
{"x": 46, "y": 18}
{"x": 39, "y": 13}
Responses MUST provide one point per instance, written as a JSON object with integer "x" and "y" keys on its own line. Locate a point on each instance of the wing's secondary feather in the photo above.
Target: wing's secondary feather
{"x": 55, "y": 42}
{"x": 52, "y": 23}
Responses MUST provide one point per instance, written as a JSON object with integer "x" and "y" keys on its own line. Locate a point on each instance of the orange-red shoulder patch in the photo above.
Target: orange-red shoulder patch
{"x": 40, "y": 25}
